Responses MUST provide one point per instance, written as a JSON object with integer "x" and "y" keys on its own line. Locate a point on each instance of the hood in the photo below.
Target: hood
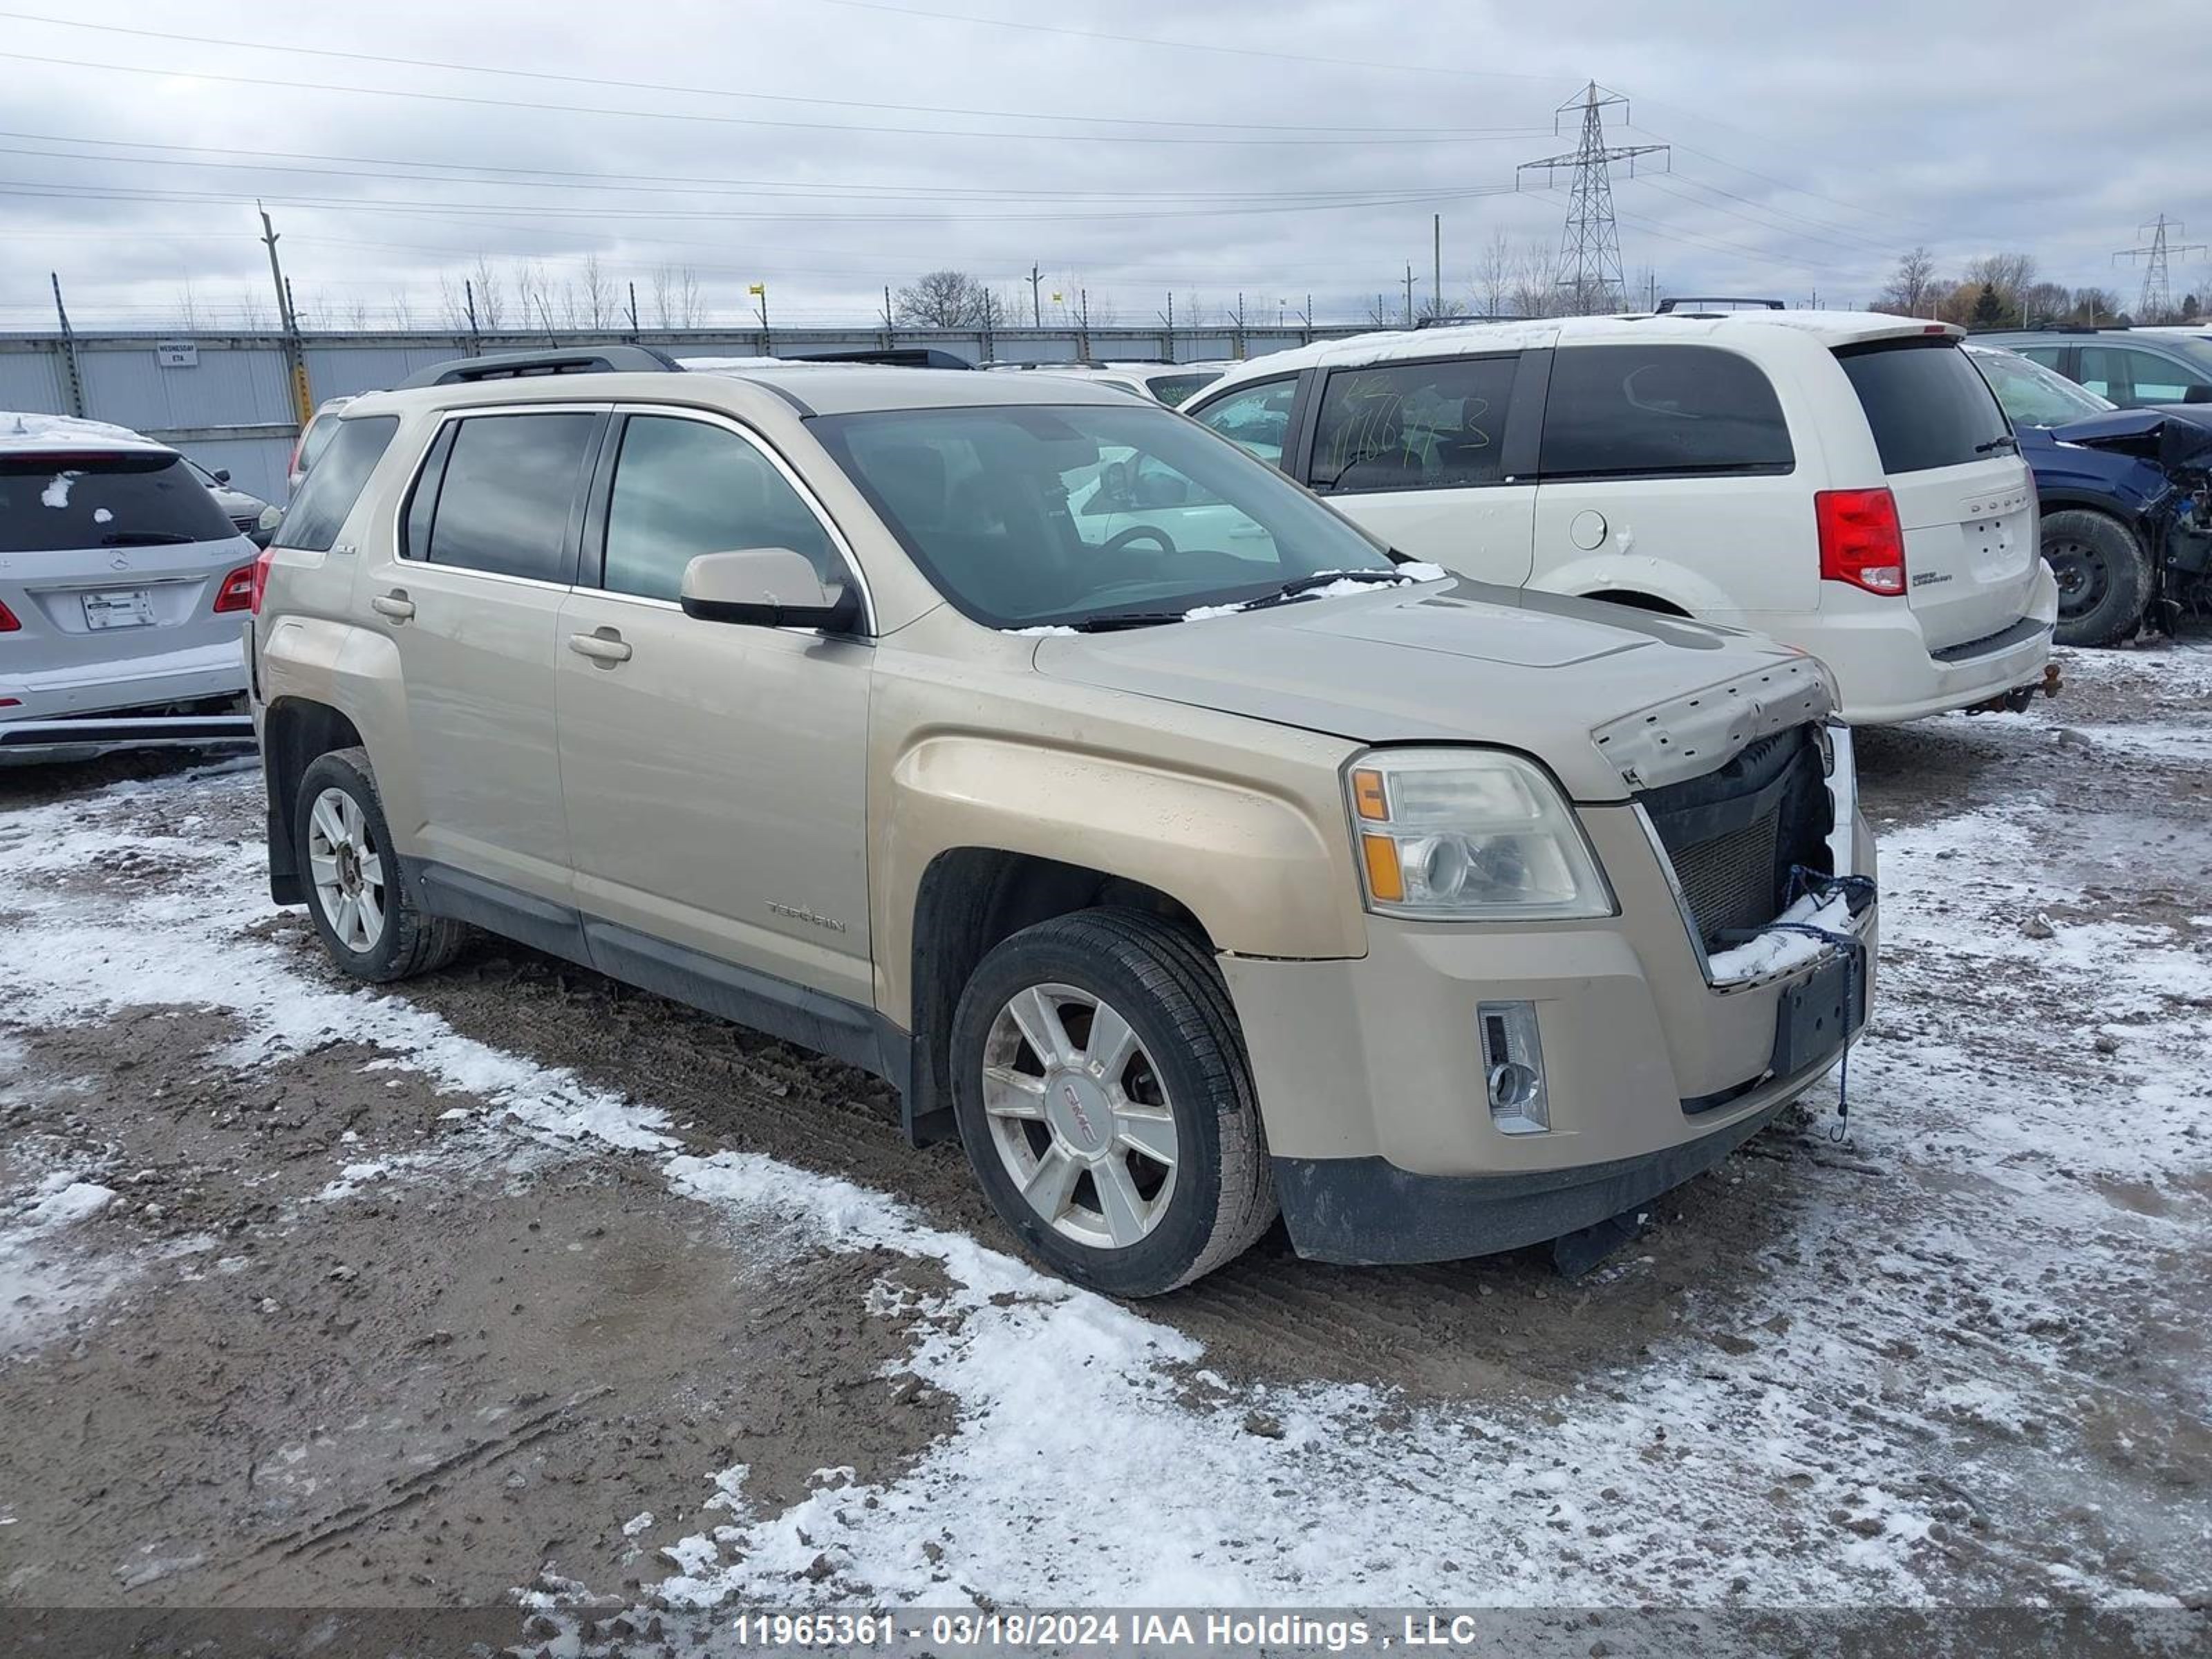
{"x": 2172, "y": 434}
{"x": 1611, "y": 700}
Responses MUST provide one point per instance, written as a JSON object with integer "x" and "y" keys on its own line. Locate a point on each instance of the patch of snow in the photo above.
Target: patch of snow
{"x": 636, "y": 1524}
{"x": 1049, "y": 631}
{"x": 1780, "y": 950}
{"x": 42, "y": 1281}
{"x": 101, "y": 515}
{"x": 29, "y": 433}
{"x": 56, "y": 492}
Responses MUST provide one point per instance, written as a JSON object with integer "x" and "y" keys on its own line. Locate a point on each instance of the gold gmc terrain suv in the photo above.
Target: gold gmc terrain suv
{"x": 1150, "y": 827}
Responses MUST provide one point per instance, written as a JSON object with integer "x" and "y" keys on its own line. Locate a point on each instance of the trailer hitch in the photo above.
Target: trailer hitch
{"x": 2015, "y": 700}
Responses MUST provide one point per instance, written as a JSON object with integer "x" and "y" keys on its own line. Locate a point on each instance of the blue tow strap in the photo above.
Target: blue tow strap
{"x": 1856, "y": 892}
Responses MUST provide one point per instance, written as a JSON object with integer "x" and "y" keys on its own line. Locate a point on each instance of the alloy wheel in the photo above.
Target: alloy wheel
{"x": 347, "y": 870}
{"x": 1079, "y": 1115}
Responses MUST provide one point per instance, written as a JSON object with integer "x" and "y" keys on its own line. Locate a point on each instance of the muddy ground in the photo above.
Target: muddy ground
{"x": 519, "y": 1289}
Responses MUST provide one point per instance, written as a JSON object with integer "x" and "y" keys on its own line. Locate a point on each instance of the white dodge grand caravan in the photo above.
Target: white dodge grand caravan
{"x": 1842, "y": 481}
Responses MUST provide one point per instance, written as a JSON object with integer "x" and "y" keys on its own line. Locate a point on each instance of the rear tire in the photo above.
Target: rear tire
{"x": 367, "y": 918}
{"x": 2103, "y": 576}
{"x": 1131, "y": 1160}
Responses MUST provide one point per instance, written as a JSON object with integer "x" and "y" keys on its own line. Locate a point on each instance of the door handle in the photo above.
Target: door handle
{"x": 605, "y": 647}
{"x": 395, "y": 605}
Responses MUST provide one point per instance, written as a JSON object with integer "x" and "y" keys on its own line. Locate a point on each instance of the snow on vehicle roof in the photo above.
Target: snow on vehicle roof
{"x": 25, "y": 432}
{"x": 1830, "y": 328}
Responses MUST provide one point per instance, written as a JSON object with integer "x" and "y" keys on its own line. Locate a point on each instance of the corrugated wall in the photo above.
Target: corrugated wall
{"x": 230, "y": 405}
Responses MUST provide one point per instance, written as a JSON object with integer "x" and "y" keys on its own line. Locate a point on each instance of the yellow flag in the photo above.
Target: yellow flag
{"x": 757, "y": 288}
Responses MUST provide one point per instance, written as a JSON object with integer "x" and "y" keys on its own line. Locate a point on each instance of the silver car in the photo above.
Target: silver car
{"x": 123, "y": 588}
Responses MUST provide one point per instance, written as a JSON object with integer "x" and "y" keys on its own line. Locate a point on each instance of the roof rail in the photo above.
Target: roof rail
{"x": 524, "y": 365}
{"x": 891, "y": 357}
{"x": 1673, "y": 303}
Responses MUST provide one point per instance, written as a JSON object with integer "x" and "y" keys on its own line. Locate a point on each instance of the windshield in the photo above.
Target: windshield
{"x": 1173, "y": 389}
{"x": 2033, "y": 395}
{"x": 130, "y": 498}
{"x": 1030, "y": 516}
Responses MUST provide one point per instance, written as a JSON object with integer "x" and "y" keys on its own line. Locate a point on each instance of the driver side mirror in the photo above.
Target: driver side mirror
{"x": 264, "y": 527}
{"x": 767, "y": 587}
{"x": 221, "y": 475}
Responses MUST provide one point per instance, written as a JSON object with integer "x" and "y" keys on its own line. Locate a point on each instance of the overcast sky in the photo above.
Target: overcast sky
{"x": 826, "y": 148}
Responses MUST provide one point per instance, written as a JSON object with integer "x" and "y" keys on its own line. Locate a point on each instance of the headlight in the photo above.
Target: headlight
{"x": 1465, "y": 834}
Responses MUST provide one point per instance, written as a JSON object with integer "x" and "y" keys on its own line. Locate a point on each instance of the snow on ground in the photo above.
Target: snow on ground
{"x": 1095, "y": 1459}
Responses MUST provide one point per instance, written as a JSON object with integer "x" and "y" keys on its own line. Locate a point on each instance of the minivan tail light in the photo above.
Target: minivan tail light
{"x": 1861, "y": 542}
{"x": 240, "y": 589}
{"x": 8, "y": 622}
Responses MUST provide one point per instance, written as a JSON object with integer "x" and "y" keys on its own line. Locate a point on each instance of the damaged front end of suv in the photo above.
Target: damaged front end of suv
{"x": 2147, "y": 473}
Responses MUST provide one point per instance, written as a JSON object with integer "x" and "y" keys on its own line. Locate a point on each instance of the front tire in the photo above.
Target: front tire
{"x": 2103, "y": 575}
{"x": 1103, "y": 1096}
{"x": 368, "y": 921}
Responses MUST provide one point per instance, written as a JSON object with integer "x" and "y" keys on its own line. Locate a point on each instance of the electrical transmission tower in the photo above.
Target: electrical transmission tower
{"x": 2157, "y": 299}
{"x": 1589, "y": 249}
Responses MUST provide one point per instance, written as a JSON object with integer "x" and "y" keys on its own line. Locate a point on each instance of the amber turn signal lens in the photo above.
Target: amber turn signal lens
{"x": 1367, "y": 796}
{"x": 1385, "y": 880}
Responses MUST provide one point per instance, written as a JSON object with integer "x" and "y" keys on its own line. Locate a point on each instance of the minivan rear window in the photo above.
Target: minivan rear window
{"x": 1641, "y": 412}
{"x": 70, "y": 500}
{"x": 312, "y": 522}
{"x": 1926, "y": 403}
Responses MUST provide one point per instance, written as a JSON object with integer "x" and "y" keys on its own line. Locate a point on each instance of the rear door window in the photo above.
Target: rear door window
{"x": 2132, "y": 378}
{"x": 1640, "y": 411}
{"x": 72, "y": 500}
{"x": 508, "y": 488}
{"x": 683, "y": 488}
{"x": 1256, "y": 418}
{"x": 1928, "y": 404}
{"x": 1413, "y": 426}
{"x": 312, "y": 522}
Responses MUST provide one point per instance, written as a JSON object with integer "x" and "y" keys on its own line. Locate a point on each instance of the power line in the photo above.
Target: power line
{"x": 1190, "y": 45}
{"x": 39, "y": 190}
{"x": 1334, "y": 140}
{"x": 640, "y": 184}
{"x": 726, "y": 91}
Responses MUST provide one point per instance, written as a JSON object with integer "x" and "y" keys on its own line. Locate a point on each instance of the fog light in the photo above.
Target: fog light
{"x": 1513, "y": 1069}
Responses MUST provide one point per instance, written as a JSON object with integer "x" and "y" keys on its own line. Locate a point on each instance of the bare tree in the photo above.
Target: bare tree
{"x": 1536, "y": 289}
{"x": 690, "y": 302}
{"x": 491, "y": 295}
{"x": 2006, "y": 275}
{"x": 1493, "y": 275}
{"x": 600, "y": 304}
{"x": 188, "y": 307}
{"x": 941, "y": 299}
{"x": 1912, "y": 288}
{"x": 2093, "y": 305}
{"x": 400, "y": 308}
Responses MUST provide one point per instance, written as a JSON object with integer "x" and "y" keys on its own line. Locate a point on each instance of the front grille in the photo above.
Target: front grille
{"x": 1734, "y": 834}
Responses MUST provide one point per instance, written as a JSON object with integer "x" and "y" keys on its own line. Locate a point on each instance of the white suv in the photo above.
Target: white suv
{"x": 1843, "y": 481}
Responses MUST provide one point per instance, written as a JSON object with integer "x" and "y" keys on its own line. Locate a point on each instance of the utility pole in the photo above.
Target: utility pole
{"x": 1036, "y": 299}
{"x": 1305, "y": 334}
{"x": 1168, "y": 317}
{"x": 888, "y": 323}
{"x": 303, "y": 401}
{"x": 2157, "y": 299}
{"x": 1240, "y": 328}
{"x": 759, "y": 291}
{"x": 633, "y": 313}
{"x": 1082, "y": 324}
{"x": 72, "y": 370}
{"x": 1589, "y": 246}
{"x": 1437, "y": 290}
{"x": 475, "y": 339}
{"x": 1409, "y": 294}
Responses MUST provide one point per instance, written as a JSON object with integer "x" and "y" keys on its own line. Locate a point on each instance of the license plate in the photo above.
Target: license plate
{"x": 1817, "y": 1015}
{"x": 131, "y": 607}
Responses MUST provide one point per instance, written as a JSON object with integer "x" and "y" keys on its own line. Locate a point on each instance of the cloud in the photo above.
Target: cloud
{"x": 829, "y": 147}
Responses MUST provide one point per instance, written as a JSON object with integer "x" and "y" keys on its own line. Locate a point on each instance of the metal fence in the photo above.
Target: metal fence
{"x": 226, "y": 400}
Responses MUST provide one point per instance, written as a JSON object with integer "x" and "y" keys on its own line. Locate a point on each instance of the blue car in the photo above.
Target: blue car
{"x": 2126, "y": 496}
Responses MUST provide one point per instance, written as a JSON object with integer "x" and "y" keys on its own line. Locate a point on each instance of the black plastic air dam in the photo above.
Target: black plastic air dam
{"x": 1367, "y": 1211}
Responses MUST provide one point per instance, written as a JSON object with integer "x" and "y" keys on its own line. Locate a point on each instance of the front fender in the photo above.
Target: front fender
{"x": 1265, "y": 873}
